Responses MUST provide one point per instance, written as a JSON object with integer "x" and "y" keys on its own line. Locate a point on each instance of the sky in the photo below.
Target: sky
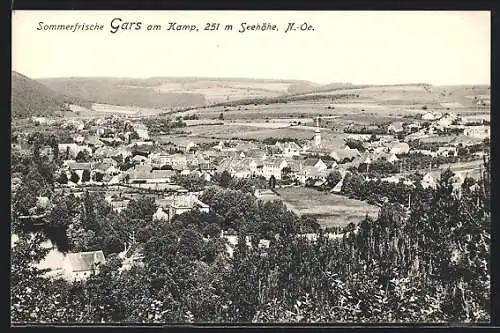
{"x": 360, "y": 47}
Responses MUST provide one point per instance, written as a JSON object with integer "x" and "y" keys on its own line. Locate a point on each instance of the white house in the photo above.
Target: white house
{"x": 78, "y": 139}
{"x": 395, "y": 127}
{"x": 289, "y": 149}
{"x": 446, "y": 120}
{"x": 141, "y": 130}
{"x": 160, "y": 215}
{"x": 428, "y": 181}
{"x": 428, "y": 116}
{"x": 273, "y": 167}
{"x": 72, "y": 266}
{"x": 392, "y": 158}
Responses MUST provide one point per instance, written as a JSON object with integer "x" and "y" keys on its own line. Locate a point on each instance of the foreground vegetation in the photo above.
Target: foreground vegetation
{"x": 428, "y": 264}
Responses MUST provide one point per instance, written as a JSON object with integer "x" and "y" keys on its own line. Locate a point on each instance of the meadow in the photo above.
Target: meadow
{"x": 330, "y": 209}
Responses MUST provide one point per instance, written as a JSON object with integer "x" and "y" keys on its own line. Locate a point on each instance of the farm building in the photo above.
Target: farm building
{"x": 289, "y": 148}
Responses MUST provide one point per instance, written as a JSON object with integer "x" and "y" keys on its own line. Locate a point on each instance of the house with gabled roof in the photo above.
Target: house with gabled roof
{"x": 259, "y": 155}
{"x": 312, "y": 168}
{"x": 315, "y": 163}
{"x": 344, "y": 155}
{"x": 178, "y": 204}
{"x": 273, "y": 167}
{"x": 146, "y": 174}
{"x": 395, "y": 127}
{"x": 428, "y": 181}
{"x": 289, "y": 148}
{"x": 93, "y": 141}
{"x": 72, "y": 266}
{"x": 79, "y": 266}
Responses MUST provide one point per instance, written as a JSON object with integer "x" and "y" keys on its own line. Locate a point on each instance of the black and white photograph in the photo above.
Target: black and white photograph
{"x": 250, "y": 167}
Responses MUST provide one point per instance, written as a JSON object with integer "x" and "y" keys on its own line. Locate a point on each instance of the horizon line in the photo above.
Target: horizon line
{"x": 248, "y": 78}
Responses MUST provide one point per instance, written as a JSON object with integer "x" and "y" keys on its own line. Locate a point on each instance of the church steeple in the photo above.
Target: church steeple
{"x": 317, "y": 135}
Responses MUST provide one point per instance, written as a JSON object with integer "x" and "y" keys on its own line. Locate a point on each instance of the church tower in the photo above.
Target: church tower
{"x": 317, "y": 135}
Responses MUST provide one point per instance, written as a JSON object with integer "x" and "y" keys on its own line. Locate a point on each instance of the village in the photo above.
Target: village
{"x": 324, "y": 168}
{"x": 116, "y": 156}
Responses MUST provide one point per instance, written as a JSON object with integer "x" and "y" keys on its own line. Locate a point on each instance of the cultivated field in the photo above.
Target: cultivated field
{"x": 329, "y": 209}
{"x": 125, "y": 110}
{"x": 259, "y": 131}
{"x": 222, "y": 91}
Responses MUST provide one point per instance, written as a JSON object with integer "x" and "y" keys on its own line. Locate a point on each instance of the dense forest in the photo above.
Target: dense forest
{"x": 31, "y": 98}
{"x": 426, "y": 263}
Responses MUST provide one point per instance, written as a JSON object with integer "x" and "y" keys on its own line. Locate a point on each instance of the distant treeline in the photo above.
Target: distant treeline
{"x": 278, "y": 99}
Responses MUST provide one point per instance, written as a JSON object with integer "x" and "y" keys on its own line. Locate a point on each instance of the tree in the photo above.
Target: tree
{"x": 34, "y": 299}
{"x": 141, "y": 208}
{"x": 62, "y": 179}
{"x": 74, "y": 177}
{"x": 285, "y": 172}
{"x": 83, "y": 156}
{"x": 192, "y": 183}
{"x": 225, "y": 179}
{"x": 333, "y": 178}
{"x": 191, "y": 244}
{"x": 272, "y": 182}
{"x": 112, "y": 245}
{"x": 221, "y": 116}
{"x": 86, "y": 175}
{"x": 212, "y": 230}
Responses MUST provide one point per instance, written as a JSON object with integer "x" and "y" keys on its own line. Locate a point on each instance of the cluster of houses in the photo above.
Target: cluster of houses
{"x": 116, "y": 152}
{"x": 152, "y": 165}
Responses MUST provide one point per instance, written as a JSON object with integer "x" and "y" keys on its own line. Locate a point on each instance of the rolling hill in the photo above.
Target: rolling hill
{"x": 125, "y": 92}
{"x": 175, "y": 94}
{"x": 32, "y": 98}
{"x": 178, "y": 92}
